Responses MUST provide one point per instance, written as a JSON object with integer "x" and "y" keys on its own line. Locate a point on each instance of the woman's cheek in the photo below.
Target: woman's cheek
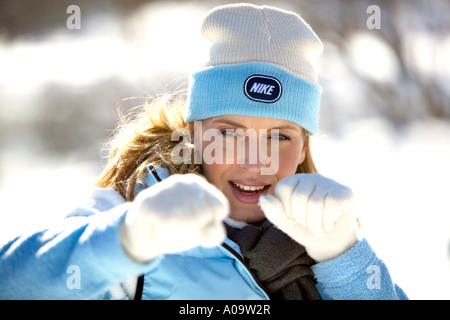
{"x": 289, "y": 160}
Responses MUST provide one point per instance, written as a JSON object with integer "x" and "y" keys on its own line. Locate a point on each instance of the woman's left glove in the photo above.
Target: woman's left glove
{"x": 315, "y": 211}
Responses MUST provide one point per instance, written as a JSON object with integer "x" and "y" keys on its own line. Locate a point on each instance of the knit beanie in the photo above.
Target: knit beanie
{"x": 260, "y": 64}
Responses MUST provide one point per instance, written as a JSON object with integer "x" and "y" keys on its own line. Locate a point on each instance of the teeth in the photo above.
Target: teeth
{"x": 249, "y": 188}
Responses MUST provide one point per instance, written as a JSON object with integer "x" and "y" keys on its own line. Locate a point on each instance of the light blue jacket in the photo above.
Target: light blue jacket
{"x": 81, "y": 258}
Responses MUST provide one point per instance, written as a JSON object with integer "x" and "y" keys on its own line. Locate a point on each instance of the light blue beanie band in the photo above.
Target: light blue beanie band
{"x": 253, "y": 89}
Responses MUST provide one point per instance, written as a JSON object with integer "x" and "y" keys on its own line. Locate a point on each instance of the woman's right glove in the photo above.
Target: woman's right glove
{"x": 177, "y": 214}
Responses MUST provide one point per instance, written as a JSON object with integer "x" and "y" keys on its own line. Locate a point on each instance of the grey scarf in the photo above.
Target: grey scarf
{"x": 280, "y": 263}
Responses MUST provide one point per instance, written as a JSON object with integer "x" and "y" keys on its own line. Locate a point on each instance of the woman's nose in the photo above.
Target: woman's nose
{"x": 252, "y": 168}
{"x": 251, "y": 158}
{"x": 257, "y": 156}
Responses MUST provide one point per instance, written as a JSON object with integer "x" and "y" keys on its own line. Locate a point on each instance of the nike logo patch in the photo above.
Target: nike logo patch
{"x": 262, "y": 88}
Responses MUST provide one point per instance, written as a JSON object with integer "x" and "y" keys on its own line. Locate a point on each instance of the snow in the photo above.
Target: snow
{"x": 36, "y": 191}
{"x": 400, "y": 181}
{"x": 400, "y": 177}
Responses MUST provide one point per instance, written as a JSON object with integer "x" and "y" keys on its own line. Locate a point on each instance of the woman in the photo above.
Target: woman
{"x": 252, "y": 219}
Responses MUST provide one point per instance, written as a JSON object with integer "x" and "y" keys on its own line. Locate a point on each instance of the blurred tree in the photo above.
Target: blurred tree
{"x": 75, "y": 120}
{"x": 414, "y": 93}
{"x": 37, "y": 18}
{"x": 411, "y": 33}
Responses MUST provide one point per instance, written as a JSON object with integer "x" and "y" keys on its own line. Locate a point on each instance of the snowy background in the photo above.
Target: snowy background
{"x": 384, "y": 128}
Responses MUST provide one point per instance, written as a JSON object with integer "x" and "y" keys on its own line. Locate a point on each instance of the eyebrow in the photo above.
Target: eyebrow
{"x": 239, "y": 125}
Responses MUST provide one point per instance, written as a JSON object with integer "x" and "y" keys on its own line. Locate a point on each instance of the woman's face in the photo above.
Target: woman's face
{"x": 245, "y": 157}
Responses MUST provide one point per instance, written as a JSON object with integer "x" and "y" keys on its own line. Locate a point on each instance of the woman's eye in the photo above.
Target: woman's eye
{"x": 273, "y": 135}
{"x": 228, "y": 132}
{"x": 279, "y": 136}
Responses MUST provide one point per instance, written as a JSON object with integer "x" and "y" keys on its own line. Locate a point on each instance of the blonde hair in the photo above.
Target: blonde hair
{"x": 307, "y": 166}
{"x": 141, "y": 139}
{"x": 144, "y": 138}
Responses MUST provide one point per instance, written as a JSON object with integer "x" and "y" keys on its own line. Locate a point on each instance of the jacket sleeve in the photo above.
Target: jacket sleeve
{"x": 357, "y": 274}
{"x": 78, "y": 258}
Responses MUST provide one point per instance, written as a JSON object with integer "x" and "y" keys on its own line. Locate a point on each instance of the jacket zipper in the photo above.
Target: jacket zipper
{"x": 246, "y": 266}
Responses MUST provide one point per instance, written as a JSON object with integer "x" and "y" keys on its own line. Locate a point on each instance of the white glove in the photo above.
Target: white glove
{"x": 315, "y": 211}
{"x": 177, "y": 214}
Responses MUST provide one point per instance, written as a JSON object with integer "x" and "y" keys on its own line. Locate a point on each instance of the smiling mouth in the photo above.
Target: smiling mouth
{"x": 249, "y": 190}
